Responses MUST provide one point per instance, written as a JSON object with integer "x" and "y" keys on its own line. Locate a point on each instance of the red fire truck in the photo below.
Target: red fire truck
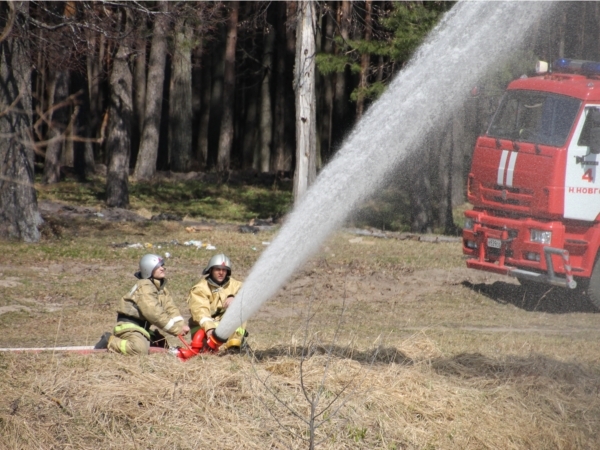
{"x": 535, "y": 182}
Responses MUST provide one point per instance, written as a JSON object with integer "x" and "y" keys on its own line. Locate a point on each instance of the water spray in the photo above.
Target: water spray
{"x": 472, "y": 39}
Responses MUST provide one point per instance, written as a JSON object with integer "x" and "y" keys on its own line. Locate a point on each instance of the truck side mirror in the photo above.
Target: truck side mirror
{"x": 595, "y": 140}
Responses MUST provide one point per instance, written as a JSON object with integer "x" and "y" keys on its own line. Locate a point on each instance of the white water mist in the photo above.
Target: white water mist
{"x": 471, "y": 39}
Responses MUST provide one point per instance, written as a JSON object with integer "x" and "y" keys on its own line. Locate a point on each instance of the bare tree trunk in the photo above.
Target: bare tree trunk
{"x": 118, "y": 140}
{"x": 84, "y": 154}
{"x": 249, "y": 142}
{"x": 443, "y": 144}
{"x": 145, "y": 166}
{"x": 39, "y": 97}
{"x": 94, "y": 61}
{"x": 280, "y": 80}
{"x": 58, "y": 91}
{"x": 318, "y": 88}
{"x": 139, "y": 97}
{"x": 180, "y": 100}
{"x": 68, "y": 150}
{"x": 328, "y": 95}
{"x": 205, "y": 104}
{"x": 420, "y": 193}
{"x": 463, "y": 143}
{"x": 19, "y": 216}
{"x": 364, "y": 63}
{"x": 227, "y": 131}
{"x": 283, "y": 153}
{"x": 266, "y": 114}
{"x": 341, "y": 99}
{"x": 305, "y": 99}
{"x": 216, "y": 102}
{"x": 197, "y": 104}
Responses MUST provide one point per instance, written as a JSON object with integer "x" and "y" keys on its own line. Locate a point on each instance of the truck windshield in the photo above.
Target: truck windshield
{"x": 533, "y": 116}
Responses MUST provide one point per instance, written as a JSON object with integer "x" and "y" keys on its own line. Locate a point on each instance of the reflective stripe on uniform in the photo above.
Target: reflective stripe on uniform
{"x": 206, "y": 319}
{"x": 132, "y": 327}
{"x": 132, "y": 291}
{"x": 171, "y": 322}
{"x": 241, "y": 331}
{"x": 123, "y": 346}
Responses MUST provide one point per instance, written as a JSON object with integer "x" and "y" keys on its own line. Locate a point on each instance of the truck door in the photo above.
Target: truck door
{"x": 582, "y": 177}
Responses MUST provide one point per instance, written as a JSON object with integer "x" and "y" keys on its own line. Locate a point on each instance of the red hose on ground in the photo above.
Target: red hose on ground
{"x": 196, "y": 347}
{"x": 82, "y": 350}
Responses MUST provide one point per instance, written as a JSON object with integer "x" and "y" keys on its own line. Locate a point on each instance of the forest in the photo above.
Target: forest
{"x": 125, "y": 90}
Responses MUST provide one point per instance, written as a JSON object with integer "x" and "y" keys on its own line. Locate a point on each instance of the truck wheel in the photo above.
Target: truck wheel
{"x": 593, "y": 290}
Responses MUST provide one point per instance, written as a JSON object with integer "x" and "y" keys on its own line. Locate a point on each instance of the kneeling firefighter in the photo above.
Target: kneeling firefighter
{"x": 210, "y": 298}
{"x": 148, "y": 303}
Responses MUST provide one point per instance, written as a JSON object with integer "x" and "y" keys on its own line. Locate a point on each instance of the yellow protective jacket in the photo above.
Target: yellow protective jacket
{"x": 149, "y": 303}
{"x": 206, "y": 301}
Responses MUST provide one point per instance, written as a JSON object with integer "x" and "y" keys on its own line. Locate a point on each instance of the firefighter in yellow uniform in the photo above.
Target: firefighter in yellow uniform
{"x": 148, "y": 303}
{"x": 210, "y": 298}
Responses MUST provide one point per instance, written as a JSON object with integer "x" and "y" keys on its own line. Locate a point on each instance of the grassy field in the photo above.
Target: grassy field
{"x": 374, "y": 343}
{"x": 205, "y": 196}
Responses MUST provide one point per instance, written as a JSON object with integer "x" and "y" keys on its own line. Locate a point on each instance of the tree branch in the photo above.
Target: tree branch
{"x": 9, "y": 22}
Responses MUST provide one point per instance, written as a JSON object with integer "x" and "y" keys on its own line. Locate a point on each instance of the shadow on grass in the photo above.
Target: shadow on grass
{"x": 476, "y": 365}
{"x": 463, "y": 365}
{"x": 543, "y": 298}
{"x": 376, "y": 356}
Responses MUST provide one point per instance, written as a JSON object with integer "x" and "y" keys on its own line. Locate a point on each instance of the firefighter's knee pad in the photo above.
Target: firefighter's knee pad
{"x": 131, "y": 344}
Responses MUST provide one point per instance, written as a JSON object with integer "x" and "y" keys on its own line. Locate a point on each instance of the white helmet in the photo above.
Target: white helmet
{"x": 148, "y": 263}
{"x": 219, "y": 260}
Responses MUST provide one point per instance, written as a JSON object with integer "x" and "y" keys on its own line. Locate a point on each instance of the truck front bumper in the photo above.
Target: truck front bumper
{"x": 501, "y": 245}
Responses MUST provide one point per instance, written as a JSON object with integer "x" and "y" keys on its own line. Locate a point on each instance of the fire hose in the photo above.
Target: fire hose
{"x": 83, "y": 350}
{"x": 201, "y": 343}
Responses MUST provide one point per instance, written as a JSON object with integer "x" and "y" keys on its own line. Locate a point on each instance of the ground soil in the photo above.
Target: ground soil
{"x": 409, "y": 284}
{"x": 421, "y": 351}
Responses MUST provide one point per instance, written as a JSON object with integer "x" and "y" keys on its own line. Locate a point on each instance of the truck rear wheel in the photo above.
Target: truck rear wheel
{"x": 593, "y": 290}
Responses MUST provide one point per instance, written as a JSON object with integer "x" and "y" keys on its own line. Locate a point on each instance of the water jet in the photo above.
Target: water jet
{"x": 472, "y": 39}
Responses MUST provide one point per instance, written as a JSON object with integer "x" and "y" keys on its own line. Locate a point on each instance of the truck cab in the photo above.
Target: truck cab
{"x": 534, "y": 182}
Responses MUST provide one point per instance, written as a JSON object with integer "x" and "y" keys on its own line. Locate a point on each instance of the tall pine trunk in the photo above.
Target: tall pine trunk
{"x": 283, "y": 153}
{"x": 443, "y": 143}
{"x": 118, "y": 142}
{"x": 227, "y": 129}
{"x": 216, "y": 100}
{"x": 94, "y": 64}
{"x": 364, "y": 63}
{"x": 250, "y": 133}
{"x": 328, "y": 97}
{"x": 266, "y": 113}
{"x": 58, "y": 91}
{"x": 180, "y": 100}
{"x": 420, "y": 190}
{"x": 19, "y": 215}
{"x": 139, "y": 96}
{"x": 205, "y": 107}
{"x": 85, "y": 164}
{"x": 145, "y": 166}
{"x": 340, "y": 111}
{"x": 306, "y": 130}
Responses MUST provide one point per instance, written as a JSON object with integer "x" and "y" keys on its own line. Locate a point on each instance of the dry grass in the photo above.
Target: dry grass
{"x": 409, "y": 350}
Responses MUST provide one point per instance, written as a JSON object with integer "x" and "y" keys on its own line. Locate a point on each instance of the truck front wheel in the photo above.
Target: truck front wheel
{"x": 593, "y": 289}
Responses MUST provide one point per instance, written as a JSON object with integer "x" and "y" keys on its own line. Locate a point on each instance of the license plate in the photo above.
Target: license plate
{"x": 494, "y": 243}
